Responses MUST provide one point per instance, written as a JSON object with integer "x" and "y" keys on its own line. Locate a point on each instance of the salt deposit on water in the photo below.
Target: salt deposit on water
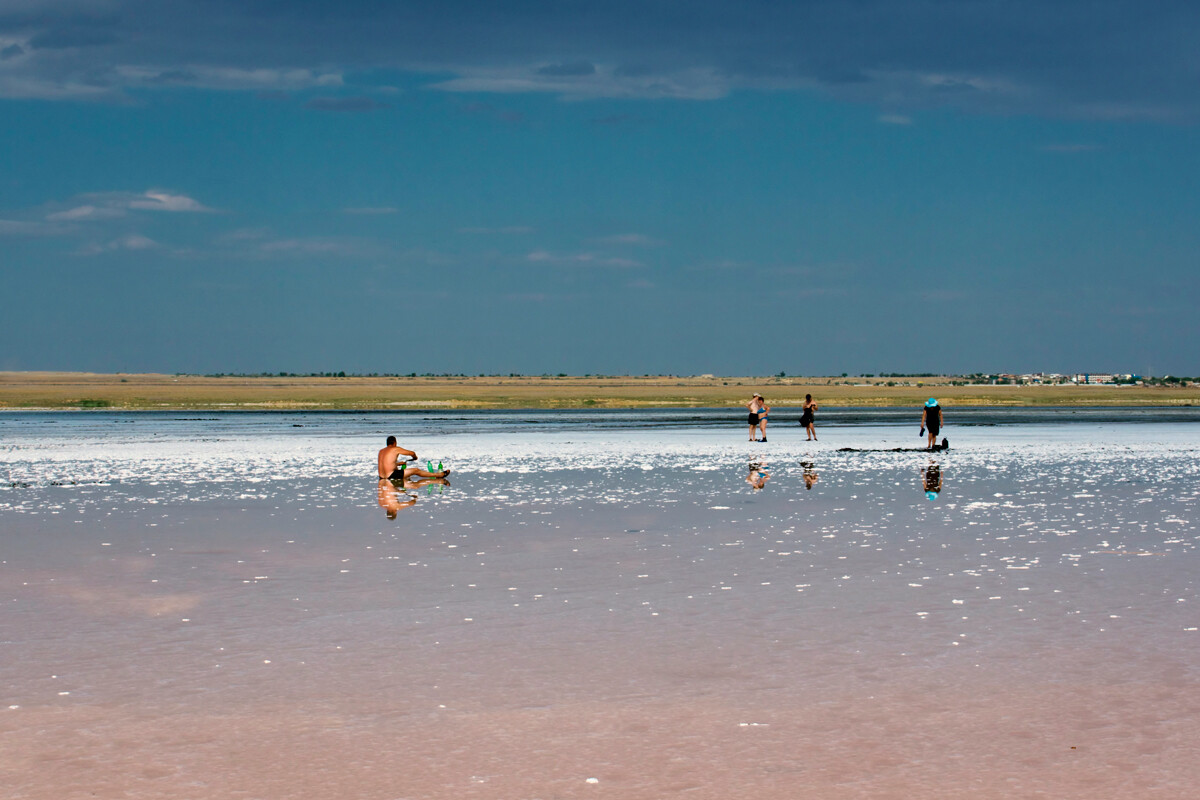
{"x": 208, "y": 605}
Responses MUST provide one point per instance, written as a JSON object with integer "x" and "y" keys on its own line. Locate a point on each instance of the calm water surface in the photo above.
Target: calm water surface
{"x": 619, "y": 604}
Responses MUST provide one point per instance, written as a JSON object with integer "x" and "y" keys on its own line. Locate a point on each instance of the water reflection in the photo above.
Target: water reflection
{"x": 758, "y": 476}
{"x": 931, "y": 480}
{"x": 810, "y": 473}
{"x": 395, "y": 495}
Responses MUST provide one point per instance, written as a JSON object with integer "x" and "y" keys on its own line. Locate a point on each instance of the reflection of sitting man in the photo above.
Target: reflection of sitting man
{"x": 758, "y": 477}
{"x": 389, "y": 498}
{"x": 810, "y": 474}
{"x": 932, "y": 481}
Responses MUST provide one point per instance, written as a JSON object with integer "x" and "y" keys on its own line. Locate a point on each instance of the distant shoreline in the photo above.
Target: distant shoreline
{"x": 130, "y": 392}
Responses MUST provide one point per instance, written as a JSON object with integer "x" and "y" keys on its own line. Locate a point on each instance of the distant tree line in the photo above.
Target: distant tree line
{"x": 956, "y": 380}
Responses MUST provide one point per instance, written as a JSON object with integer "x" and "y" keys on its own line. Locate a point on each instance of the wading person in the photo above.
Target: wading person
{"x": 806, "y": 419}
{"x": 762, "y": 417}
{"x": 755, "y": 406}
{"x": 931, "y": 420}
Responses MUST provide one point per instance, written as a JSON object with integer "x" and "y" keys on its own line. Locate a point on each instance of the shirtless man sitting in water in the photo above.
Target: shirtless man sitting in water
{"x": 390, "y": 455}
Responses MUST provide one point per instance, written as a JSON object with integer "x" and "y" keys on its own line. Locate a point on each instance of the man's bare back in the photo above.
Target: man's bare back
{"x": 389, "y": 458}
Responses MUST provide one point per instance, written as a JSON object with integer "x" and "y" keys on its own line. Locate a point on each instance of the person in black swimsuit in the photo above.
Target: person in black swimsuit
{"x": 931, "y": 420}
{"x": 806, "y": 419}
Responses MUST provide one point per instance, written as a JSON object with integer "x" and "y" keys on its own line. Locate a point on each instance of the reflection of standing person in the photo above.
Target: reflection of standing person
{"x": 762, "y": 417}
{"x": 931, "y": 420}
{"x": 755, "y": 405}
{"x": 810, "y": 474}
{"x": 758, "y": 477}
{"x": 806, "y": 419}
{"x": 932, "y": 481}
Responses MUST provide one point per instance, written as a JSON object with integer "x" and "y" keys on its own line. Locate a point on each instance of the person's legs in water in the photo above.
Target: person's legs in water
{"x": 424, "y": 473}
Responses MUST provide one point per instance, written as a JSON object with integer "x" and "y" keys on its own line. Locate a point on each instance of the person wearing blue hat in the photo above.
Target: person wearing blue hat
{"x": 931, "y": 420}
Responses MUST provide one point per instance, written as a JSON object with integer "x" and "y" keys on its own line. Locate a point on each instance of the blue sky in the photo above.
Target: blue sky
{"x": 737, "y": 188}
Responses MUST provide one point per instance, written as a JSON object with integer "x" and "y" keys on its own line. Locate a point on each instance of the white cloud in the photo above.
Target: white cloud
{"x": 581, "y": 259}
{"x": 371, "y": 210}
{"x": 153, "y": 200}
{"x": 110, "y": 205}
{"x": 133, "y": 241}
{"x": 245, "y": 235}
{"x": 307, "y": 247}
{"x": 228, "y": 78}
{"x": 690, "y": 84}
{"x": 319, "y": 246}
{"x": 16, "y": 227}
{"x": 895, "y": 119}
{"x": 636, "y": 239}
{"x": 1071, "y": 148}
{"x": 85, "y": 213}
{"x": 511, "y": 229}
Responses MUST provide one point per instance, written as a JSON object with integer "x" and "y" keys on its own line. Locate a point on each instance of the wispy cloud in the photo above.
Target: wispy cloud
{"x": 132, "y": 241}
{"x": 633, "y": 239}
{"x": 617, "y": 119}
{"x": 228, "y": 77}
{"x": 491, "y": 111}
{"x": 527, "y": 297}
{"x": 581, "y": 259}
{"x": 87, "y": 212}
{"x": 503, "y": 230}
{"x": 313, "y": 246}
{"x": 1071, "y": 148}
{"x": 108, "y": 205}
{"x": 603, "y": 82}
{"x": 895, "y": 119}
{"x": 33, "y": 228}
{"x": 352, "y": 105}
{"x": 153, "y": 200}
{"x": 370, "y": 211}
{"x": 1067, "y": 58}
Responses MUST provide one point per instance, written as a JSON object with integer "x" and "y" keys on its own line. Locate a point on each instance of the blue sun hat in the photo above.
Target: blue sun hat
{"x": 931, "y": 402}
{"x": 931, "y": 495}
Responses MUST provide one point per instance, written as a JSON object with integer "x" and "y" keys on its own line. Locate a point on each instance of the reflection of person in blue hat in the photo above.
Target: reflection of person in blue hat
{"x": 931, "y": 420}
{"x": 932, "y": 481}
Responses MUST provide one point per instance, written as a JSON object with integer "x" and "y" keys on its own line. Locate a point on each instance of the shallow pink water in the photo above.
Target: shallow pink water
{"x": 565, "y": 634}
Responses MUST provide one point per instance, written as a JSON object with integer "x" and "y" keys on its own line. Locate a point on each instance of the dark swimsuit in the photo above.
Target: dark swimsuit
{"x": 932, "y": 422}
{"x": 807, "y": 418}
{"x": 753, "y": 420}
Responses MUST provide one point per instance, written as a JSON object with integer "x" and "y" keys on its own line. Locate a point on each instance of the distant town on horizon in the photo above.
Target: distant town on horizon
{"x": 886, "y": 378}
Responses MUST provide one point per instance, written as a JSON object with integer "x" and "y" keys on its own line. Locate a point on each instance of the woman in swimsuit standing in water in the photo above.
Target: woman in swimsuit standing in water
{"x": 764, "y": 410}
{"x": 806, "y": 419}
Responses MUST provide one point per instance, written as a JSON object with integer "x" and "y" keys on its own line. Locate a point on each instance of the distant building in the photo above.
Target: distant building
{"x": 1094, "y": 377}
